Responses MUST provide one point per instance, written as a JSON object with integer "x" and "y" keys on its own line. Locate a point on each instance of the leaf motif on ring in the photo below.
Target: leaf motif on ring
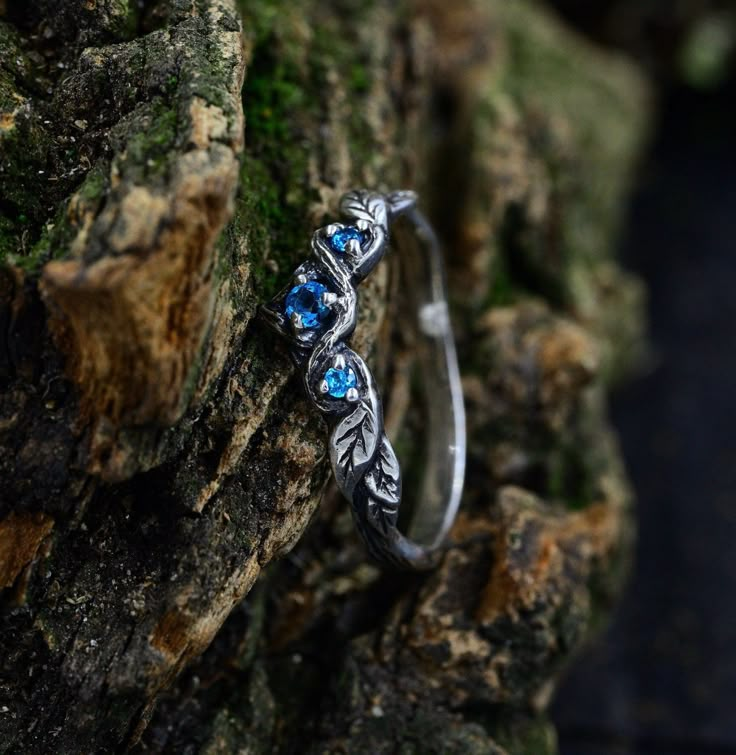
{"x": 353, "y": 445}
{"x": 383, "y": 480}
{"x": 365, "y": 206}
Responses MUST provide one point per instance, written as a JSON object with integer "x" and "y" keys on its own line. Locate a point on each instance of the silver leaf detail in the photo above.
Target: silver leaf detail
{"x": 353, "y": 446}
{"x": 383, "y": 480}
{"x": 363, "y": 205}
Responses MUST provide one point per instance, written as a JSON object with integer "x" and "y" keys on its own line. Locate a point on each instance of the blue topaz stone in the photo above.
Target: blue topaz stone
{"x": 305, "y": 300}
{"x": 340, "y": 381}
{"x": 339, "y": 240}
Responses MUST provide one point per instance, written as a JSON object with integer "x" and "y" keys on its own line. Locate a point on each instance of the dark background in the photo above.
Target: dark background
{"x": 662, "y": 679}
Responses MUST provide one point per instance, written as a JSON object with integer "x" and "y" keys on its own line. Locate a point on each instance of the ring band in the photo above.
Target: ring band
{"x": 317, "y": 313}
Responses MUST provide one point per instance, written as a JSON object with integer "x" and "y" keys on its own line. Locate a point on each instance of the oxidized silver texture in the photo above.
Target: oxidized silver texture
{"x": 363, "y": 461}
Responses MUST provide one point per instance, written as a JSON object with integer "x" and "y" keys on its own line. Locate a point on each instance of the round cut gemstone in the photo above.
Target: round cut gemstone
{"x": 306, "y": 301}
{"x": 339, "y": 239}
{"x": 339, "y": 382}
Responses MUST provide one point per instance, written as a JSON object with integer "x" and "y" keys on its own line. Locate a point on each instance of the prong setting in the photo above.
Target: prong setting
{"x": 352, "y": 395}
{"x": 339, "y": 362}
{"x": 296, "y": 320}
{"x": 329, "y": 298}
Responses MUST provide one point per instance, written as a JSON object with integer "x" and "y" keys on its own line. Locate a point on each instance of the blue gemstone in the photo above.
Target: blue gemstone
{"x": 339, "y": 382}
{"x": 306, "y": 300}
{"x": 339, "y": 239}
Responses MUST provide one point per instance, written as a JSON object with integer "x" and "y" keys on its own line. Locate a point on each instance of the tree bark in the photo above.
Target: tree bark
{"x": 156, "y": 454}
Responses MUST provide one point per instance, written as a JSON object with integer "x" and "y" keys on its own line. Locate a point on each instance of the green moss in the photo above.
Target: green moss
{"x": 95, "y": 185}
{"x": 146, "y": 142}
{"x": 704, "y": 58}
{"x": 24, "y": 175}
{"x": 56, "y": 236}
{"x": 284, "y": 99}
{"x": 10, "y": 241}
{"x": 129, "y": 12}
{"x": 42, "y": 170}
{"x": 359, "y": 78}
{"x": 585, "y": 140}
{"x": 526, "y": 735}
{"x": 23, "y": 151}
{"x": 504, "y": 289}
{"x": 275, "y": 198}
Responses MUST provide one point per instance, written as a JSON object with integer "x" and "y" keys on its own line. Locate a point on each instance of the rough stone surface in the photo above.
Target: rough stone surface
{"x": 155, "y": 452}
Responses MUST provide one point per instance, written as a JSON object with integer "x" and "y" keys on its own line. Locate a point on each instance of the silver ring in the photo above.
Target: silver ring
{"x": 317, "y": 313}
